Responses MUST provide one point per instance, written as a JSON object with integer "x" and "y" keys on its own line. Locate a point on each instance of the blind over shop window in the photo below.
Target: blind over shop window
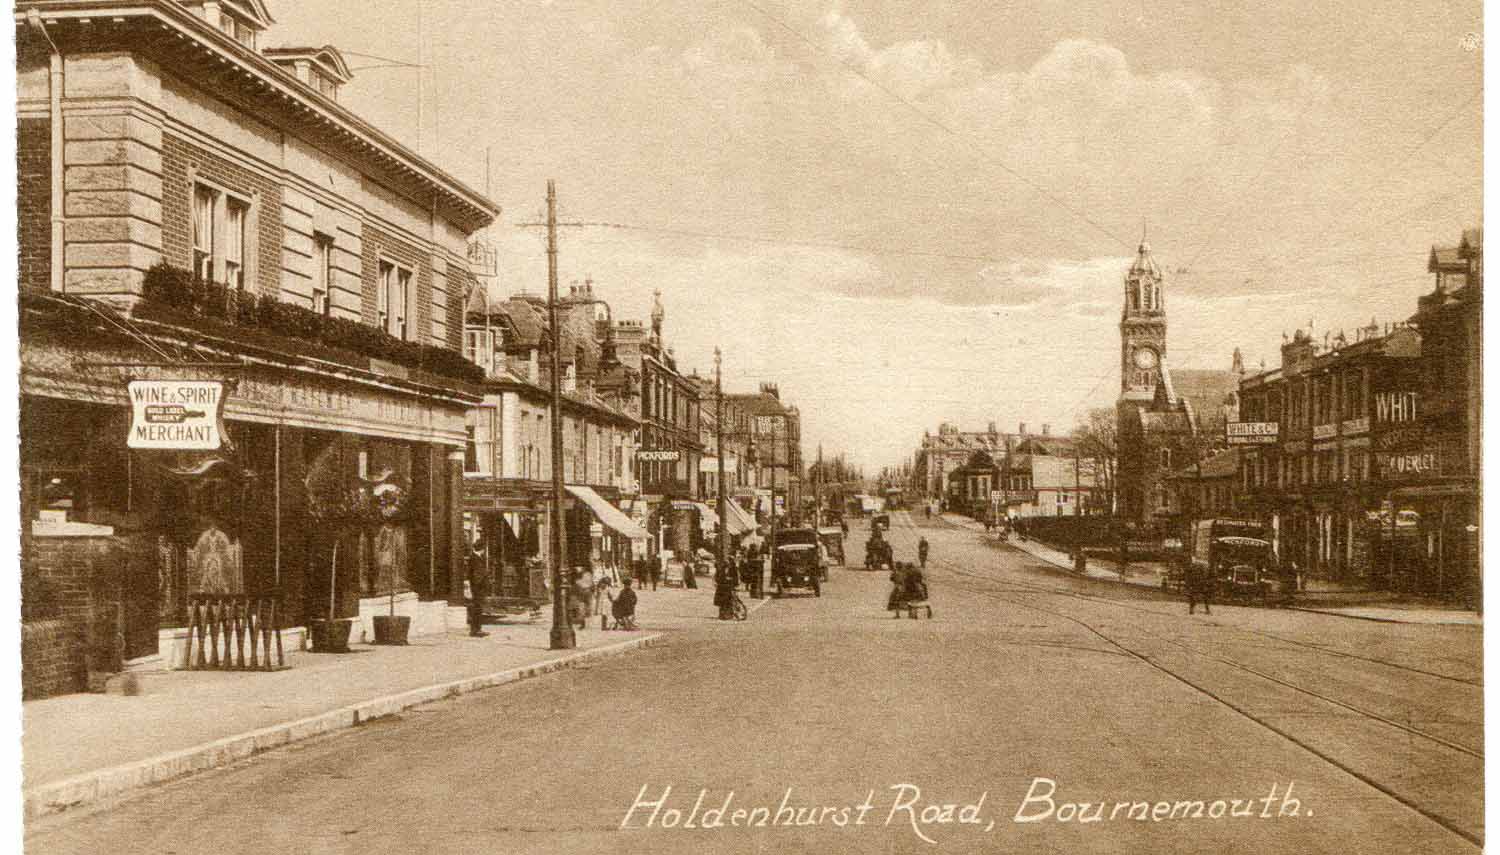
{"x": 203, "y": 233}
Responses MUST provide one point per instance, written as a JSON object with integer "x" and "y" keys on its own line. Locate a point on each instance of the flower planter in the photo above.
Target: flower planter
{"x": 330, "y": 637}
{"x": 391, "y": 629}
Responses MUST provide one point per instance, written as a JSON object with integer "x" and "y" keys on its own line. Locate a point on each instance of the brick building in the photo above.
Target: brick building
{"x": 1372, "y": 480}
{"x": 195, "y": 208}
{"x": 508, "y": 468}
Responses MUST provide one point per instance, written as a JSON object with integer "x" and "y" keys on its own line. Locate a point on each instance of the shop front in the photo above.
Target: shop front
{"x": 184, "y": 497}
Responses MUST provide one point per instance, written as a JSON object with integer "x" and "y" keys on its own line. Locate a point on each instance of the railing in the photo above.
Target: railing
{"x": 221, "y": 624}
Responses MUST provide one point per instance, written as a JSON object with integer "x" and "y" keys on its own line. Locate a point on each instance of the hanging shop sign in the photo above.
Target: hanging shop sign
{"x": 176, "y": 415}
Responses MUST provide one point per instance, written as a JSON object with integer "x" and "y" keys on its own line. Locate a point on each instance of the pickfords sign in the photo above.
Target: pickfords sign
{"x": 176, "y": 415}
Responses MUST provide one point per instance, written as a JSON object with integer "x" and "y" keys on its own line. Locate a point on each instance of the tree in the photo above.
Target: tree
{"x": 1098, "y": 440}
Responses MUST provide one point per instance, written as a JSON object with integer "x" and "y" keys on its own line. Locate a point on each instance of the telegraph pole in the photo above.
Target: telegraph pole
{"x": 719, "y": 443}
{"x": 772, "y": 544}
{"x": 562, "y": 628}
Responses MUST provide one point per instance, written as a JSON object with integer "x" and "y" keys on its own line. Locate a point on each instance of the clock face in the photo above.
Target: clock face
{"x": 1145, "y": 358}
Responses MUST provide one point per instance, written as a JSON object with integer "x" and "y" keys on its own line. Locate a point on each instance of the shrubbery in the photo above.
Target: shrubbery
{"x": 180, "y": 289}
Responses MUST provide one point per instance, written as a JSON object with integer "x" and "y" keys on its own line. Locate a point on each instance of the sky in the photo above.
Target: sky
{"x": 907, "y": 212}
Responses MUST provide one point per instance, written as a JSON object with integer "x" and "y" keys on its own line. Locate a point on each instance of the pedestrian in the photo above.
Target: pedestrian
{"x": 655, "y": 562}
{"x": 1080, "y": 562}
{"x": 922, "y": 548}
{"x": 1200, "y": 586}
{"x": 580, "y": 593}
{"x": 623, "y": 607}
{"x": 724, "y": 592}
{"x": 478, "y": 589}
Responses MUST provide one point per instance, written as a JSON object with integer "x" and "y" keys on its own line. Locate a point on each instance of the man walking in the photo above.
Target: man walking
{"x": 922, "y": 552}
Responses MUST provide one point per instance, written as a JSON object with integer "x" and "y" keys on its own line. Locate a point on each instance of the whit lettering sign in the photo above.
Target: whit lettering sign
{"x": 1252, "y": 433}
{"x": 659, "y": 455}
{"x": 176, "y": 415}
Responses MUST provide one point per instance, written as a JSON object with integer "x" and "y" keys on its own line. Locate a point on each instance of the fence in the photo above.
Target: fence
{"x": 221, "y": 624}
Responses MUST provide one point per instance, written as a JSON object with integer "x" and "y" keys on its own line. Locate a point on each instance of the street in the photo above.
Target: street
{"x": 1034, "y": 712}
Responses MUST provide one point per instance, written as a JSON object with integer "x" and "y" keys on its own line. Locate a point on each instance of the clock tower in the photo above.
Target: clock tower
{"x": 1143, "y": 327}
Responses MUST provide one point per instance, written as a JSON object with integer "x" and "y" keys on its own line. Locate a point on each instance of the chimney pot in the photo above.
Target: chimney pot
{"x": 1046, "y": 430}
{"x": 1022, "y": 429}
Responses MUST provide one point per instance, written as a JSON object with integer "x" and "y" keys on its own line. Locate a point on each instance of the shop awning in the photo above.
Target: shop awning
{"x": 608, "y": 514}
{"x": 740, "y": 520}
{"x": 707, "y": 519}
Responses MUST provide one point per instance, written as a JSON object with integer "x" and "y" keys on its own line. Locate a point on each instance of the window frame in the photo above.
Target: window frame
{"x": 221, "y": 200}
{"x": 322, "y": 294}
{"x": 393, "y": 292}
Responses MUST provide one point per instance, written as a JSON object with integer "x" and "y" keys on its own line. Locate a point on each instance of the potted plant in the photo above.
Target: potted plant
{"x": 389, "y": 501}
{"x": 337, "y": 505}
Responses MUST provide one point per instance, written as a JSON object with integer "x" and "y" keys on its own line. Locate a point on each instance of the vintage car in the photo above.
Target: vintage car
{"x": 832, "y": 538}
{"x": 799, "y": 561}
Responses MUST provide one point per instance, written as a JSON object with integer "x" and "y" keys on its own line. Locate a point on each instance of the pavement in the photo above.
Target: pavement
{"x": 1030, "y": 703}
{"x": 84, "y": 748}
{"x": 1361, "y": 605}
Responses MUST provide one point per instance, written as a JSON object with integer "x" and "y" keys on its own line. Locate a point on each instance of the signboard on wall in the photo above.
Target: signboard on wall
{"x": 1252, "y": 433}
{"x": 659, "y": 455}
{"x": 176, "y": 415}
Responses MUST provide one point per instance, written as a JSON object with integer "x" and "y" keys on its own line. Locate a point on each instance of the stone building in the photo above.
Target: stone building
{"x": 776, "y": 436}
{"x": 199, "y": 213}
{"x": 1166, "y": 418}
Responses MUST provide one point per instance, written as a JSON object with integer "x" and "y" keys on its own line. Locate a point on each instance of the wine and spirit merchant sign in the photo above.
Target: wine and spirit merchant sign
{"x": 176, "y": 415}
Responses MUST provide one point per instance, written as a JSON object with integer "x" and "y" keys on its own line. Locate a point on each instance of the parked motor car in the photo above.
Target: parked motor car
{"x": 800, "y": 562}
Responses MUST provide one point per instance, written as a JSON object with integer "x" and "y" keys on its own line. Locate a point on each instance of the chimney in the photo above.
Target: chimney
{"x": 992, "y": 429}
{"x": 1046, "y": 430}
{"x": 1022, "y": 429}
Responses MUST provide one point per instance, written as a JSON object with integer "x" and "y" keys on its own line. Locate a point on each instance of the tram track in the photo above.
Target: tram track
{"x": 967, "y": 578}
{"x": 1474, "y": 683}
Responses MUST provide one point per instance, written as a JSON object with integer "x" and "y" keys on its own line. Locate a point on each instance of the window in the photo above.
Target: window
{"x": 479, "y": 455}
{"x": 393, "y": 299}
{"x": 479, "y": 348}
{"x": 203, "y": 232}
{"x": 1166, "y": 458}
{"x": 322, "y": 273}
{"x": 221, "y": 235}
{"x": 234, "y": 243}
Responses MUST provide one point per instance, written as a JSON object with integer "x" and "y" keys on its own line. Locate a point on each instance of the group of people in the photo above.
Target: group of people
{"x": 745, "y": 567}
{"x": 589, "y": 592}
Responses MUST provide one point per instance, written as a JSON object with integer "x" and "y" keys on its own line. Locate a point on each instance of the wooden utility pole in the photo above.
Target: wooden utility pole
{"x": 719, "y": 444}
{"x": 562, "y": 627}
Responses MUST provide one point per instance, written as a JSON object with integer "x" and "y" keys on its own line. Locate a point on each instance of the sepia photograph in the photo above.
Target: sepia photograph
{"x": 747, "y": 426}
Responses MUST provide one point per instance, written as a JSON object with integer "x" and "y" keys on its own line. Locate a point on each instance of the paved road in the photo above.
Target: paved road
{"x": 1027, "y": 681}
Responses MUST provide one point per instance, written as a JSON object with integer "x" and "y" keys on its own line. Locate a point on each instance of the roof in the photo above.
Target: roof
{"x": 327, "y": 56}
{"x": 1206, "y": 389}
{"x": 1446, "y": 258}
{"x": 757, "y": 403}
{"x": 260, "y": 85}
{"x": 1144, "y": 263}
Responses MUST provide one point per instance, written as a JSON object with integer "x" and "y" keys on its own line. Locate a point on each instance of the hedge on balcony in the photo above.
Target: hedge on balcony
{"x": 182, "y": 291}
